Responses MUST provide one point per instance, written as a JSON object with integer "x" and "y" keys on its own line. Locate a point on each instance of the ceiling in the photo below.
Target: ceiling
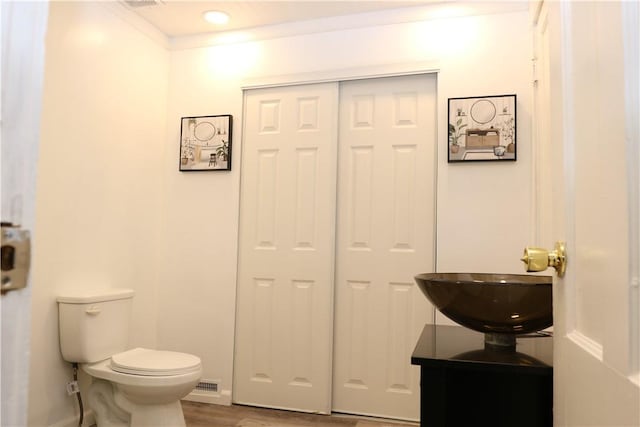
{"x": 176, "y": 18}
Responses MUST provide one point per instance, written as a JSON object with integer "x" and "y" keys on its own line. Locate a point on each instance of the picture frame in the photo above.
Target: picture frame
{"x": 482, "y": 128}
{"x": 206, "y": 143}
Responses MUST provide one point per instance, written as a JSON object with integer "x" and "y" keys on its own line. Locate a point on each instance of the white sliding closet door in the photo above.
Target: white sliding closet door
{"x": 284, "y": 323}
{"x": 383, "y": 154}
{"x": 385, "y": 229}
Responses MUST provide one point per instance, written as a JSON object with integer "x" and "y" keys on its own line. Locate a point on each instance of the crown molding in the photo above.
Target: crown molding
{"x": 442, "y": 10}
{"x": 119, "y": 9}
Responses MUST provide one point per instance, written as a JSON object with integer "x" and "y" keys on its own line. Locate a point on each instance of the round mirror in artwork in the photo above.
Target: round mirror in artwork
{"x": 204, "y": 131}
{"x": 483, "y": 111}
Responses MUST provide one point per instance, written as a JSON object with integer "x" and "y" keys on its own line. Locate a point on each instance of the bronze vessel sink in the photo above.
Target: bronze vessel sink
{"x": 500, "y": 305}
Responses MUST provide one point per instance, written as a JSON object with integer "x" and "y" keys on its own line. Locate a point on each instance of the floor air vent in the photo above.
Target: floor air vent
{"x": 209, "y": 386}
{"x": 209, "y": 391}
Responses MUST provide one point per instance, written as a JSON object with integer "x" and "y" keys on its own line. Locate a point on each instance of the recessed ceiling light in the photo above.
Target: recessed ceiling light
{"x": 216, "y": 17}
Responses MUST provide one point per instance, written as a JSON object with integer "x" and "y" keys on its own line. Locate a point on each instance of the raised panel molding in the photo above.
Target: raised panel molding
{"x": 404, "y": 179}
{"x": 358, "y": 301}
{"x": 305, "y": 203}
{"x": 269, "y": 117}
{"x": 262, "y": 330}
{"x": 266, "y": 203}
{"x": 308, "y": 114}
{"x": 360, "y": 198}
{"x": 587, "y": 344}
{"x": 301, "y": 337}
{"x": 363, "y": 112}
{"x": 399, "y": 337}
{"x": 405, "y": 109}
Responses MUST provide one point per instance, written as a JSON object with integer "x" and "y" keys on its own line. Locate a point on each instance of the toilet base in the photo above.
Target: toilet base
{"x": 113, "y": 409}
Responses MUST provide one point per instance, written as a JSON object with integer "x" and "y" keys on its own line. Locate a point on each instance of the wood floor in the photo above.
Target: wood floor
{"x": 203, "y": 414}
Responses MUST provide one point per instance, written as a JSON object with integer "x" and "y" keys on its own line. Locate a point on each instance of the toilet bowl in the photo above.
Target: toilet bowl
{"x": 144, "y": 387}
{"x": 136, "y": 387}
{"x": 149, "y": 376}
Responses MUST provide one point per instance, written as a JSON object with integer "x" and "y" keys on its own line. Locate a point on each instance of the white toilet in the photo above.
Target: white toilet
{"x": 131, "y": 387}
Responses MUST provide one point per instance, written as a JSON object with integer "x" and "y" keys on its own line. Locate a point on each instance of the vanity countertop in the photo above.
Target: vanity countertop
{"x": 456, "y": 346}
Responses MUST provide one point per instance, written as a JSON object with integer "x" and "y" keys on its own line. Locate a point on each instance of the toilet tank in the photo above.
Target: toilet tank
{"x": 94, "y": 325}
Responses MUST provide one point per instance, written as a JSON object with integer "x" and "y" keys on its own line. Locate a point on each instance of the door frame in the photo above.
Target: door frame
{"x": 631, "y": 35}
{"x": 337, "y": 77}
{"x": 343, "y": 75}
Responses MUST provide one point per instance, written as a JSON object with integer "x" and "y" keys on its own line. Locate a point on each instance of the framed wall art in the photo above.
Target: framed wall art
{"x": 205, "y": 143}
{"x": 482, "y": 128}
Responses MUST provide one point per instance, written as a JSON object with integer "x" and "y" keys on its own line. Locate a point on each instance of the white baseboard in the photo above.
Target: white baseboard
{"x": 221, "y": 398}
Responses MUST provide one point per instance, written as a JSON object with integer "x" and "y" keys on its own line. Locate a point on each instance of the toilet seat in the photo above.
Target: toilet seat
{"x": 103, "y": 370}
{"x": 146, "y": 362}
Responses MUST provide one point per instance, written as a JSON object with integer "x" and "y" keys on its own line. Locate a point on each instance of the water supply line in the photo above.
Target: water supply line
{"x": 75, "y": 389}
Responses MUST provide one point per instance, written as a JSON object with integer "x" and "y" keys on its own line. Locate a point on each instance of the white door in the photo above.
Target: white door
{"x": 287, "y": 227}
{"x": 385, "y": 229}
{"x": 285, "y": 318}
{"x": 23, "y": 33}
{"x": 589, "y": 98}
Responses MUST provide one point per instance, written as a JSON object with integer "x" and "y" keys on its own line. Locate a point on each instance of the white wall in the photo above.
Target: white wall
{"x": 99, "y": 182}
{"x": 483, "y": 208}
{"x": 196, "y": 291}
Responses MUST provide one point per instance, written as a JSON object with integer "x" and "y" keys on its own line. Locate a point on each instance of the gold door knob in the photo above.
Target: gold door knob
{"x": 538, "y": 259}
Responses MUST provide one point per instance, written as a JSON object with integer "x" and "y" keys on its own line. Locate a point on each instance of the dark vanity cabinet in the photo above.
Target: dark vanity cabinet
{"x": 465, "y": 384}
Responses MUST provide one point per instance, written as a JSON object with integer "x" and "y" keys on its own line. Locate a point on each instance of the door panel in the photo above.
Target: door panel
{"x": 24, "y": 27}
{"x": 385, "y": 236}
{"x": 287, "y": 228}
{"x": 586, "y": 146}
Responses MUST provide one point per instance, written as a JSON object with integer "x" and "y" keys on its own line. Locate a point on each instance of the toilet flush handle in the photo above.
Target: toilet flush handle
{"x": 93, "y": 310}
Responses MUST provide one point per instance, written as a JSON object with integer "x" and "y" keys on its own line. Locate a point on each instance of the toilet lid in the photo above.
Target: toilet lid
{"x": 142, "y": 361}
